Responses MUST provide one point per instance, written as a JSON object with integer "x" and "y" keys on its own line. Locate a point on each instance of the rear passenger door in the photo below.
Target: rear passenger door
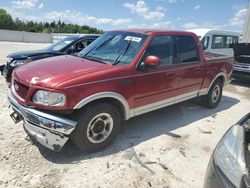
{"x": 191, "y": 69}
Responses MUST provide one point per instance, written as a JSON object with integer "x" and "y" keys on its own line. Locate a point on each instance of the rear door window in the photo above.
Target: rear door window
{"x": 186, "y": 50}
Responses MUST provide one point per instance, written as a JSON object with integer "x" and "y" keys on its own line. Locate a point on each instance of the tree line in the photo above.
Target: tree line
{"x": 7, "y": 22}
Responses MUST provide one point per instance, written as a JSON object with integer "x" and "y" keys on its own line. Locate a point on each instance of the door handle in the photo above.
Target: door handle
{"x": 170, "y": 75}
{"x": 197, "y": 70}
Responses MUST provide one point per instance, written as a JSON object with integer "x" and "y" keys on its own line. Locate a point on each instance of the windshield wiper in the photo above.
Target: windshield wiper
{"x": 93, "y": 59}
{"x": 123, "y": 52}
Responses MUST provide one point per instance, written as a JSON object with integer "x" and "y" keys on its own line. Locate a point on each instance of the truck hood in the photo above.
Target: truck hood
{"x": 242, "y": 52}
{"x": 241, "y": 49}
{"x": 26, "y": 54}
{"x": 52, "y": 71}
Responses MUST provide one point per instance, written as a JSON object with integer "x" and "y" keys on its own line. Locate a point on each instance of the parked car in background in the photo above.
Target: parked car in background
{"x": 69, "y": 45}
{"x": 217, "y": 41}
{"x": 229, "y": 165}
{"x": 120, "y": 75}
{"x": 242, "y": 61}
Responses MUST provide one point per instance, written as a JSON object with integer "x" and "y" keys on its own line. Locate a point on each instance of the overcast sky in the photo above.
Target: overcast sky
{"x": 111, "y": 14}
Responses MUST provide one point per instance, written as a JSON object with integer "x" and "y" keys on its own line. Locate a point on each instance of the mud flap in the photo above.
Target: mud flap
{"x": 17, "y": 117}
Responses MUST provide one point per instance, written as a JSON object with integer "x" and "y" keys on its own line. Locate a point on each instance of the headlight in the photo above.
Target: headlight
{"x": 48, "y": 98}
{"x": 229, "y": 155}
{"x": 19, "y": 62}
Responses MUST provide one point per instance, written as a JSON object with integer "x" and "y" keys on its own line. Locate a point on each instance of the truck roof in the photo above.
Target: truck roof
{"x": 201, "y": 32}
{"x": 151, "y": 31}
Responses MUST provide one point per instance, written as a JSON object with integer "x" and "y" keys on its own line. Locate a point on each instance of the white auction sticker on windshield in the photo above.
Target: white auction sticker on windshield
{"x": 134, "y": 39}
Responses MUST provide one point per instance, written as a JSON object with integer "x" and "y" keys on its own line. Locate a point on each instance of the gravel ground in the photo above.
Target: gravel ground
{"x": 170, "y": 147}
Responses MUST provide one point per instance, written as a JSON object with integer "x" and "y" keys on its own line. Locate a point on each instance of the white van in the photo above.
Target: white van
{"x": 217, "y": 41}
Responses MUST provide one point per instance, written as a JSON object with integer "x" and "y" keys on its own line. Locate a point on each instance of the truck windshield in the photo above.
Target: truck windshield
{"x": 114, "y": 47}
{"x": 61, "y": 44}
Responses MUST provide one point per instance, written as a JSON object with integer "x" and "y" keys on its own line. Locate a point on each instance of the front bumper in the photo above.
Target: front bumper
{"x": 241, "y": 75}
{"x": 49, "y": 130}
{"x": 241, "y": 70}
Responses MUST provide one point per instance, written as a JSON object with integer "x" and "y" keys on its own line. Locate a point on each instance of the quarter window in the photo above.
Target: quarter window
{"x": 186, "y": 49}
{"x": 161, "y": 46}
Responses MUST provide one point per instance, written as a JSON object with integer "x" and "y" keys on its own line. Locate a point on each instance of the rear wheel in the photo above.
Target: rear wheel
{"x": 97, "y": 127}
{"x": 212, "y": 99}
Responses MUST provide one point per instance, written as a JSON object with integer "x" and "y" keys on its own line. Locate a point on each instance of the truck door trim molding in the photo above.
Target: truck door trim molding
{"x": 101, "y": 95}
{"x": 163, "y": 103}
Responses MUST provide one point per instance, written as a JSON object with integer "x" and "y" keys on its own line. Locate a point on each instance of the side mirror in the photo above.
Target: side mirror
{"x": 152, "y": 61}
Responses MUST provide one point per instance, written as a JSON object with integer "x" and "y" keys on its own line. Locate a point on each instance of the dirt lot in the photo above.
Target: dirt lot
{"x": 170, "y": 147}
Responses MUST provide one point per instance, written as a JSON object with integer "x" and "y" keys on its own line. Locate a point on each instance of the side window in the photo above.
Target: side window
{"x": 236, "y": 40}
{"x": 186, "y": 49}
{"x": 223, "y": 41}
{"x": 218, "y": 42}
{"x": 205, "y": 42}
{"x": 161, "y": 46}
{"x": 231, "y": 40}
{"x": 87, "y": 42}
{"x": 82, "y": 44}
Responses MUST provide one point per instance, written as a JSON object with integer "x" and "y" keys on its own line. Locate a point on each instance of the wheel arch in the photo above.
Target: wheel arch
{"x": 111, "y": 97}
{"x": 220, "y": 76}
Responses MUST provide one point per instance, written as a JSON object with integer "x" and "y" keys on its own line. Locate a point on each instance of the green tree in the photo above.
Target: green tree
{"x": 19, "y": 25}
{"x": 6, "y": 21}
{"x": 30, "y": 26}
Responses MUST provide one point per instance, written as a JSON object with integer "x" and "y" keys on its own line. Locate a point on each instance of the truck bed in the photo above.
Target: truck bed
{"x": 211, "y": 56}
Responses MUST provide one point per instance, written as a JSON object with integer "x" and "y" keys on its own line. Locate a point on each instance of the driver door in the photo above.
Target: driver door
{"x": 156, "y": 87}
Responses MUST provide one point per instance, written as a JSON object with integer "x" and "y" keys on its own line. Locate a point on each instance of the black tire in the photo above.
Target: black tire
{"x": 93, "y": 116}
{"x": 209, "y": 100}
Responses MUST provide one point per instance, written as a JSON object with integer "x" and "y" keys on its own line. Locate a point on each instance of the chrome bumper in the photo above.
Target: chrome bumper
{"x": 49, "y": 130}
{"x": 242, "y": 67}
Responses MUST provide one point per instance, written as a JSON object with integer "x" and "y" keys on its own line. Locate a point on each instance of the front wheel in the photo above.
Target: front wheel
{"x": 212, "y": 99}
{"x": 97, "y": 127}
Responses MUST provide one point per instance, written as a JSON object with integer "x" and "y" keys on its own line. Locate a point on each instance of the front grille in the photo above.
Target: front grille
{"x": 20, "y": 89}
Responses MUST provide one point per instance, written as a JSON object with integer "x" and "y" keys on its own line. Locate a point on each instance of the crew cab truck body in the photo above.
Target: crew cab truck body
{"x": 120, "y": 75}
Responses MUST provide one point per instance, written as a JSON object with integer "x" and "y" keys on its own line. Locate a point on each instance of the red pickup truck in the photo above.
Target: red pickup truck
{"x": 122, "y": 74}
